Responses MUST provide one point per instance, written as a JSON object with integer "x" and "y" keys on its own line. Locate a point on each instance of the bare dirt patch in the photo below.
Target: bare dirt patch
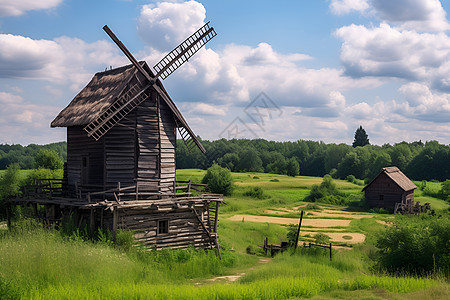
{"x": 276, "y": 212}
{"x": 287, "y": 221}
{"x": 332, "y": 214}
{"x": 347, "y": 237}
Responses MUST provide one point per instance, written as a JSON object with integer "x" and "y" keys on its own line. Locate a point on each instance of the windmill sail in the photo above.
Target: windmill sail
{"x": 137, "y": 93}
{"x": 184, "y": 51}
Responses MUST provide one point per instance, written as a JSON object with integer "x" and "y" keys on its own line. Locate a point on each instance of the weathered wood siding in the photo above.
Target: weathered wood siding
{"x": 148, "y": 144}
{"x": 167, "y": 144}
{"x": 120, "y": 152}
{"x": 384, "y": 193}
{"x": 184, "y": 228}
{"x": 79, "y": 145}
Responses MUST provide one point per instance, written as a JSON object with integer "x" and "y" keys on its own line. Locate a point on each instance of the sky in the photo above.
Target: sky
{"x": 278, "y": 70}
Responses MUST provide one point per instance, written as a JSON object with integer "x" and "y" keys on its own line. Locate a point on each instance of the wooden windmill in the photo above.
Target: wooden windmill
{"x": 121, "y": 155}
{"x": 138, "y": 93}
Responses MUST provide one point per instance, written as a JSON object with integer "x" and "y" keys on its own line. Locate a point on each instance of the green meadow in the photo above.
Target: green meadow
{"x": 46, "y": 264}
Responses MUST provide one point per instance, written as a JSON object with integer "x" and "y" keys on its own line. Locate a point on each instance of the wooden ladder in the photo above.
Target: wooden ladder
{"x": 128, "y": 101}
{"x": 187, "y": 139}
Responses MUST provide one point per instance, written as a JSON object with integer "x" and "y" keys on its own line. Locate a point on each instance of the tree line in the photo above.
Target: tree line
{"x": 25, "y": 156}
{"x": 418, "y": 160}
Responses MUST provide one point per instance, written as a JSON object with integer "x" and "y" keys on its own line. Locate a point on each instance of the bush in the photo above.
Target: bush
{"x": 321, "y": 238}
{"x": 351, "y": 178}
{"x": 256, "y": 192}
{"x": 274, "y": 180}
{"x": 48, "y": 159}
{"x": 43, "y": 174}
{"x": 415, "y": 245}
{"x": 218, "y": 180}
{"x": 9, "y": 187}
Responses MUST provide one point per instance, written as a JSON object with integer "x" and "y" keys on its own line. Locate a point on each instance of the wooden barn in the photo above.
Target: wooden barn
{"x": 120, "y": 170}
{"x": 388, "y": 188}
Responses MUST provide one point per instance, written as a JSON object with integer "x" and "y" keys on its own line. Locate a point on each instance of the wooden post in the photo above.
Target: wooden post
{"x": 266, "y": 242}
{"x": 298, "y": 231}
{"x": 101, "y": 218}
{"x": 115, "y": 221}
{"x": 330, "y": 253}
{"x": 35, "y": 210}
{"x": 92, "y": 221}
{"x": 118, "y": 188}
{"x": 189, "y": 186}
{"x": 216, "y": 216}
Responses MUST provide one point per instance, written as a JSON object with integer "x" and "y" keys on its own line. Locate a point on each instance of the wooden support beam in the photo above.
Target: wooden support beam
{"x": 216, "y": 217}
{"x": 92, "y": 221}
{"x": 115, "y": 222}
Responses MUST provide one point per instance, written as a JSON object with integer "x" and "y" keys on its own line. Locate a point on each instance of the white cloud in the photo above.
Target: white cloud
{"x": 422, "y": 104}
{"x": 25, "y": 122}
{"x": 19, "y": 7}
{"x": 342, "y": 7}
{"x": 63, "y": 60}
{"x": 419, "y": 15}
{"x": 389, "y": 52}
{"x": 204, "y": 109}
{"x": 165, "y": 25}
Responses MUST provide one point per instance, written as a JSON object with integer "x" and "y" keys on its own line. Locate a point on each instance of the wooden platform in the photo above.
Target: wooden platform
{"x": 169, "y": 221}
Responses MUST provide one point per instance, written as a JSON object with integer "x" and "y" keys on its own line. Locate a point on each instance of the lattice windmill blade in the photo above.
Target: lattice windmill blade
{"x": 178, "y": 56}
{"x": 136, "y": 94}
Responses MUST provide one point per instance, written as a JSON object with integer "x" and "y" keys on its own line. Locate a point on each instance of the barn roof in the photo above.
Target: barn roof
{"x": 397, "y": 176}
{"x": 101, "y": 92}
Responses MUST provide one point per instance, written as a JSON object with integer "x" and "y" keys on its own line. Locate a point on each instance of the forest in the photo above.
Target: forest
{"x": 418, "y": 160}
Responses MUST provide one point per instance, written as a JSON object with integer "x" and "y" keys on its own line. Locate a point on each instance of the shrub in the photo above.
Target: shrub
{"x": 415, "y": 245}
{"x": 274, "y": 180}
{"x": 218, "y": 180}
{"x": 292, "y": 234}
{"x": 48, "y": 159}
{"x": 351, "y": 178}
{"x": 255, "y": 177}
{"x": 321, "y": 238}
{"x": 9, "y": 187}
{"x": 256, "y": 192}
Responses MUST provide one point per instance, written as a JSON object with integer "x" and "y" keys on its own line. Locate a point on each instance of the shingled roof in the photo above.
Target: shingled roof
{"x": 95, "y": 97}
{"x": 397, "y": 176}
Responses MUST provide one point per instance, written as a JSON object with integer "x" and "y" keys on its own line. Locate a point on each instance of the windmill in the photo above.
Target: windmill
{"x": 137, "y": 93}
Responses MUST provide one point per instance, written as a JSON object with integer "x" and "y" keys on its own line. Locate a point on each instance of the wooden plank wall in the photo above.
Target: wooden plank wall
{"x": 184, "y": 228}
{"x": 167, "y": 144}
{"x": 120, "y": 152}
{"x": 148, "y": 148}
{"x": 79, "y": 145}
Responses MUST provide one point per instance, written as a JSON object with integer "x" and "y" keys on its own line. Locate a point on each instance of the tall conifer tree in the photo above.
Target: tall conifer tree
{"x": 361, "y": 138}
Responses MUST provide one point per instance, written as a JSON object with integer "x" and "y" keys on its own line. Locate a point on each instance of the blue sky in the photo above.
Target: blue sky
{"x": 324, "y": 67}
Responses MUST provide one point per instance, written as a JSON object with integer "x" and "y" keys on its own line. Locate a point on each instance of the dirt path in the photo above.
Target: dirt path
{"x": 233, "y": 278}
{"x": 287, "y": 221}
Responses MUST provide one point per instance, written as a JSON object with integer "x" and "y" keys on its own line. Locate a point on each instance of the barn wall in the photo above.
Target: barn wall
{"x": 384, "y": 193}
{"x": 79, "y": 145}
{"x": 168, "y": 144}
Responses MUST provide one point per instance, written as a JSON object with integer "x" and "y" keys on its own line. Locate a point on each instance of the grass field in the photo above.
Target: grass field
{"x": 42, "y": 264}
